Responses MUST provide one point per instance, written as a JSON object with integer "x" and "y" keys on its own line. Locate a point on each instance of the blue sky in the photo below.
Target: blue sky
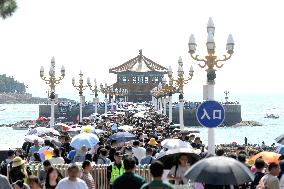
{"x": 94, "y": 36}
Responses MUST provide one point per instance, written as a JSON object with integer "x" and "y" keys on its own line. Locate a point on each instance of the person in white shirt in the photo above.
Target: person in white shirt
{"x": 138, "y": 152}
{"x": 56, "y": 159}
{"x": 72, "y": 181}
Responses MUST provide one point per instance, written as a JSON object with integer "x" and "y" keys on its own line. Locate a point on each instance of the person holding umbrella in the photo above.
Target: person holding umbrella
{"x": 177, "y": 172}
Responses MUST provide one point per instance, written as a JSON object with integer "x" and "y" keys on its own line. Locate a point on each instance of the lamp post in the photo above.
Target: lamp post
{"x": 95, "y": 90}
{"x": 105, "y": 90}
{"x": 80, "y": 87}
{"x": 170, "y": 90}
{"x": 155, "y": 98}
{"x": 160, "y": 96}
{"x": 113, "y": 92}
{"x": 179, "y": 84}
{"x": 164, "y": 98}
{"x": 52, "y": 81}
{"x": 210, "y": 62}
{"x": 121, "y": 93}
{"x": 226, "y": 97}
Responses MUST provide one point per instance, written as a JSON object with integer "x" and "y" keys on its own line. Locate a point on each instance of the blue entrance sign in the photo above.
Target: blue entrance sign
{"x": 210, "y": 114}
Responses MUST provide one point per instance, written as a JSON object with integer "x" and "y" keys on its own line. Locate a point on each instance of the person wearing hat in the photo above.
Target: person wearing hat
{"x": 116, "y": 168}
{"x": 152, "y": 142}
{"x": 18, "y": 171}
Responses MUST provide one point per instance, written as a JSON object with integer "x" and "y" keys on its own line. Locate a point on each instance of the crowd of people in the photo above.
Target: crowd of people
{"x": 122, "y": 157}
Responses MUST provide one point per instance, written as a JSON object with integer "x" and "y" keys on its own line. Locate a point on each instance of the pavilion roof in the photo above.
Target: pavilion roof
{"x": 139, "y": 64}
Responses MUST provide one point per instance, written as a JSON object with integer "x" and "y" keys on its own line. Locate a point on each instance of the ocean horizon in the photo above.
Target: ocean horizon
{"x": 254, "y": 108}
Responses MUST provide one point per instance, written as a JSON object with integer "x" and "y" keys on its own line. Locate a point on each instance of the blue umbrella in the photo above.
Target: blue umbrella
{"x": 84, "y": 139}
{"x": 122, "y": 137}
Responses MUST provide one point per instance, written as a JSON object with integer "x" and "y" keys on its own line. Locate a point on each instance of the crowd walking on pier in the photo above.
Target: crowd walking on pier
{"x": 113, "y": 151}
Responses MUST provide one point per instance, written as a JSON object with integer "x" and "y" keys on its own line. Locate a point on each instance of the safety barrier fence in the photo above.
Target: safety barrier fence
{"x": 99, "y": 173}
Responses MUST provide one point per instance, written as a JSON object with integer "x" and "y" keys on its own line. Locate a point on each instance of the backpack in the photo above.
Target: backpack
{"x": 4, "y": 167}
{"x": 105, "y": 162}
{"x": 262, "y": 183}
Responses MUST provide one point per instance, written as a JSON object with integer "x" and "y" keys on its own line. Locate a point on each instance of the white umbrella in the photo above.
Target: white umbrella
{"x": 170, "y": 156}
{"x": 84, "y": 139}
{"x": 98, "y": 131}
{"x": 139, "y": 115}
{"x": 126, "y": 128}
{"x": 32, "y": 138}
{"x": 39, "y": 131}
{"x": 74, "y": 129}
{"x": 175, "y": 143}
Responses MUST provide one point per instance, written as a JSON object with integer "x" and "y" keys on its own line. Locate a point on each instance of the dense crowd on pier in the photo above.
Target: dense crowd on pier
{"x": 144, "y": 143}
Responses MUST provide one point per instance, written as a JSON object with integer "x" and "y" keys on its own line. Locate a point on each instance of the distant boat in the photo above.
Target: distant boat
{"x": 20, "y": 127}
{"x": 271, "y": 116}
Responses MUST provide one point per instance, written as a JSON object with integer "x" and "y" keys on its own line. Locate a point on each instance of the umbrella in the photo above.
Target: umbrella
{"x": 280, "y": 149}
{"x": 126, "y": 128}
{"x": 64, "y": 127}
{"x": 268, "y": 157}
{"x": 175, "y": 143}
{"x": 170, "y": 157}
{"x": 42, "y": 119}
{"x": 84, "y": 139}
{"x": 139, "y": 115}
{"x": 98, "y": 131}
{"x": 39, "y": 131}
{"x": 32, "y": 138}
{"x": 45, "y": 152}
{"x": 280, "y": 139}
{"x": 53, "y": 140}
{"x": 122, "y": 137}
{"x": 219, "y": 171}
{"x": 74, "y": 129}
{"x": 88, "y": 129}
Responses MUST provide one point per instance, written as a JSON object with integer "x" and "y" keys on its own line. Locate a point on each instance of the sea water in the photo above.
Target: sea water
{"x": 254, "y": 108}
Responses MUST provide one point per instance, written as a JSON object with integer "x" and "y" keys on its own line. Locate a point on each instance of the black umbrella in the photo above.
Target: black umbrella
{"x": 280, "y": 139}
{"x": 219, "y": 171}
{"x": 170, "y": 157}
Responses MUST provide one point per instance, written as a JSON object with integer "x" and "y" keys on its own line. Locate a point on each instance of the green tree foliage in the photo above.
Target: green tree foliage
{"x": 7, "y": 8}
{"x": 10, "y": 85}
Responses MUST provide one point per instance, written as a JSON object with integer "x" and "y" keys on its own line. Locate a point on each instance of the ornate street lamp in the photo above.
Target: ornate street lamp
{"x": 95, "y": 90}
{"x": 169, "y": 89}
{"x": 210, "y": 62}
{"x": 121, "y": 93}
{"x": 179, "y": 84}
{"x": 155, "y": 98}
{"x": 52, "y": 81}
{"x": 80, "y": 87}
{"x": 105, "y": 90}
{"x": 113, "y": 92}
{"x": 164, "y": 98}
